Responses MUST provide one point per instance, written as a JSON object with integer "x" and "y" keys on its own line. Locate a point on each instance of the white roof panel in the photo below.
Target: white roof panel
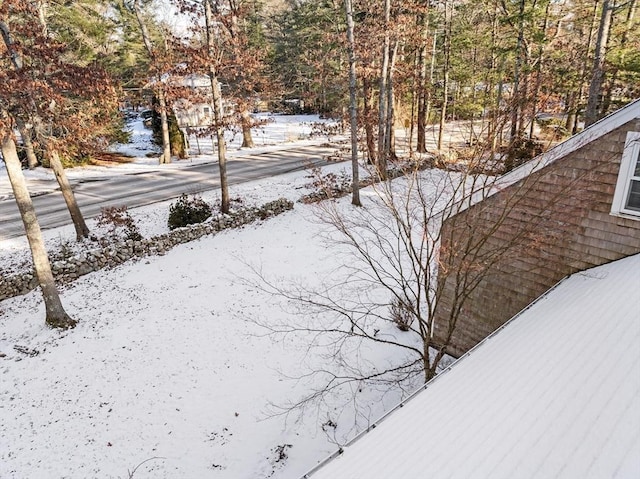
{"x": 554, "y": 393}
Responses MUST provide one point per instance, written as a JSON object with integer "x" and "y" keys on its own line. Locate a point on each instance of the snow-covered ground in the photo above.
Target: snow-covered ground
{"x": 272, "y": 130}
{"x": 167, "y": 364}
{"x": 274, "y": 133}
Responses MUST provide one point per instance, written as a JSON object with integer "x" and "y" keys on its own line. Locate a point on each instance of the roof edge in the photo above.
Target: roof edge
{"x": 426, "y": 385}
{"x": 592, "y": 132}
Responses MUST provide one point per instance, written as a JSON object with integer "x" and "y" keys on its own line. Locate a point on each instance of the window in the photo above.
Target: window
{"x": 206, "y": 110}
{"x": 626, "y": 200}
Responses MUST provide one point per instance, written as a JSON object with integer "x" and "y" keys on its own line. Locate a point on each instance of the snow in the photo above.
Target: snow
{"x": 275, "y": 133}
{"x": 166, "y": 362}
{"x": 554, "y": 393}
{"x": 272, "y": 130}
{"x": 168, "y": 368}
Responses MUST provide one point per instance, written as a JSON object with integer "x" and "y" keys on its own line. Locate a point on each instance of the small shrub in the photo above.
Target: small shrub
{"x": 328, "y": 130}
{"x": 187, "y": 211}
{"x": 119, "y": 222}
{"x": 331, "y": 185}
{"x": 402, "y": 314}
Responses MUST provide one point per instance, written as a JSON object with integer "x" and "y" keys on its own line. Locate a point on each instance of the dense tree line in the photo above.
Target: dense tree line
{"x": 68, "y": 68}
{"x": 436, "y": 60}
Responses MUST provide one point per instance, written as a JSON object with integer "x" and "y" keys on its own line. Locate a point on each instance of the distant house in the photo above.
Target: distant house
{"x": 196, "y": 109}
{"x": 553, "y": 393}
{"x": 581, "y": 202}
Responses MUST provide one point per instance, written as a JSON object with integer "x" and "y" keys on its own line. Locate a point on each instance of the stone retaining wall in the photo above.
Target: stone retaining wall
{"x": 119, "y": 251}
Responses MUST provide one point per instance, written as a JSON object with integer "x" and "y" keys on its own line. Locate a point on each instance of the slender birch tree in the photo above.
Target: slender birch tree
{"x": 383, "y": 95}
{"x": 353, "y": 105}
{"x": 158, "y": 85}
{"x": 597, "y": 72}
{"x": 212, "y": 53}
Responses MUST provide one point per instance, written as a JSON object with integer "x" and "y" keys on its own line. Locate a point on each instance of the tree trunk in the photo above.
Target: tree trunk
{"x": 421, "y": 146}
{"x": 523, "y": 94}
{"x": 16, "y": 60}
{"x": 368, "y": 125}
{"x": 42, "y": 16}
{"x": 25, "y": 134}
{"x": 572, "y": 112}
{"x": 390, "y": 140}
{"x": 82, "y": 231}
{"x": 498, "y": 136}
{"x": 56, "y": 165}
{"x": 488, "y": 102}
{"x": 353, "y": 107}
{"x": 584, "y": 66}
{"x": 217, "y": 110}
{"x": 383, "y": 97}
{"x": 164, "y": 124}
{"x": 613, "y": 76}
{"x": 445, "y": 79}
{"x": 516, "y": 97}
{"x": 247, "y": 138}
{"x": 56, "y": 316}
{"x": 432, "y": 67}
{"x": 245, "y": 118}
{"x": 597, "y": 72}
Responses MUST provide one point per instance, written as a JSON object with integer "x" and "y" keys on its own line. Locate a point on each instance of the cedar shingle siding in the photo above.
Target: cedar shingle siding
{"x": 560, "y": 219}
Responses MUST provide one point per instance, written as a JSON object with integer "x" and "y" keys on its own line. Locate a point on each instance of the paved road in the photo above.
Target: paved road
{"x": 137, "y": 189}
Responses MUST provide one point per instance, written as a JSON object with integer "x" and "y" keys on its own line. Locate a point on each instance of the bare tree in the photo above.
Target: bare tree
{"x": 393, "y": 271}
{"x": 388, "y": 279}
{"x": 421, "y": 83}
{"x": 56, "y": 316}
{"x": 445, "y": 74}
{"x": 159, "y": 88}
{"x": 217, "y": 102}
{"x": 383, "y": 95}
{"x": 597, "y": 72}
{"x": 80, "y": 225}
{"x": 353, "y": 105}
{"x": 25, "y": 107}
{"x": 41, "y": 85}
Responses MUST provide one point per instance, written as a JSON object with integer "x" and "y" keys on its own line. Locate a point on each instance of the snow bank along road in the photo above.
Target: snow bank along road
{"x": 142, "y": 188}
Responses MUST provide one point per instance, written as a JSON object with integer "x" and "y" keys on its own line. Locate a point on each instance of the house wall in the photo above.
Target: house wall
{"x": 518, "y": 243}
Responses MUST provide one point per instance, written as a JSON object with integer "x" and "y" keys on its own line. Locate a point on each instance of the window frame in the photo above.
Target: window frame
{"x": 630, "y": 156}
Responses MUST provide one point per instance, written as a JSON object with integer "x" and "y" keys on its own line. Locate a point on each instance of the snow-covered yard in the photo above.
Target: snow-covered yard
{"x": 167, "y": 364}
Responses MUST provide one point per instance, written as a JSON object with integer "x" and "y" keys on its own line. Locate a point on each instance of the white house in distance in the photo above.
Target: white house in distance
{"x": 190, "y": 114}
{"x": 554, "y": 393}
